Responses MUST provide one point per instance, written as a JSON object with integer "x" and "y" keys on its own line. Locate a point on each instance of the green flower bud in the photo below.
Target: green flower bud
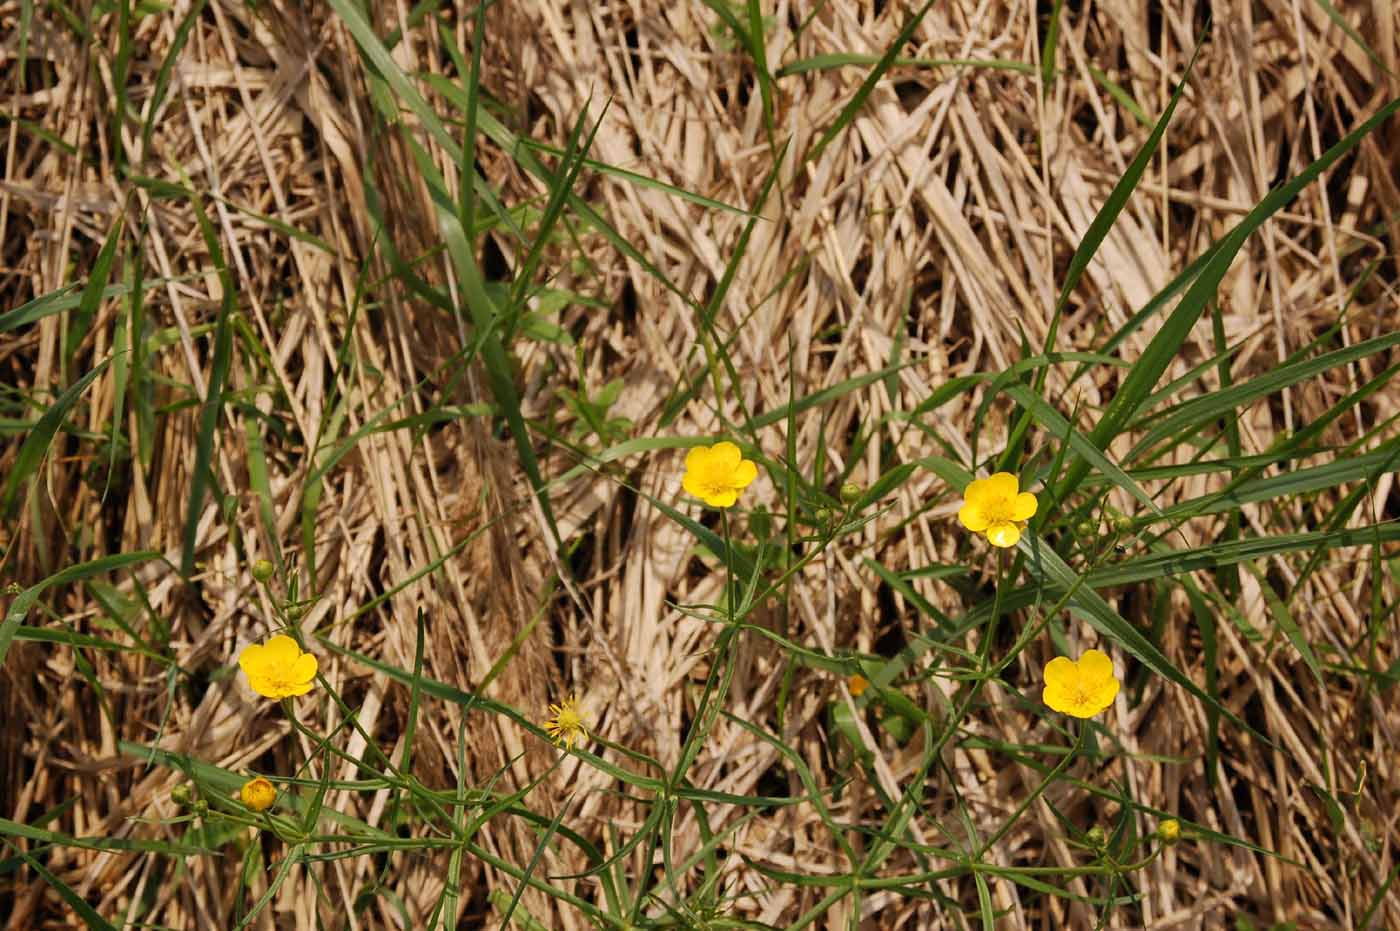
{"x": 1096, "y": 838}
{"x": 851, "y": 492}
{"x": 1169, "y": 831}
{"x": 201, "y": 808}
{"x": 262, "y": 571}
{"x": 182, "y": 796}
{"x": 823, "y": 516}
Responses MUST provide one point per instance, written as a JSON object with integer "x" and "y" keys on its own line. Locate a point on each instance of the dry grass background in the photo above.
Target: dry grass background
{"x": 937, "y": 227}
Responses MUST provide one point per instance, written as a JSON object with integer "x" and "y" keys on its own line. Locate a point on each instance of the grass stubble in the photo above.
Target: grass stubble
{"x": 390, "y": 328}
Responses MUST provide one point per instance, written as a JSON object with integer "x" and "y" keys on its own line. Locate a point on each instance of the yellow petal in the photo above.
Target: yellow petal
{"x": 1023, "y": 508}
{"x": 721, "y": 498}
{"x": 978, "y": 493}
{"x": 1095, "y": 666}
{"x": 1003, "y": 533}
{"x": 971, "y": 517}
{"x": 251, "y": 660}
{"x": 281, "y": 650}
{"x": 1058, "y": 697}
{"x": 304, "y": 669}
{"x": 1060, "y": 671}
{"x": 1104, "y": 695}
{"x": 726, "y": 454}
{"x": 691, "y": 483}
{"x": 696, "y": 458}
{"x": 1003, "y": 485}
{"x": 744, "y": 473}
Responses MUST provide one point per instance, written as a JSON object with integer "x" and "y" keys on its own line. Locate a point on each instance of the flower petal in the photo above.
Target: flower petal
{"x": 972, "y": 517}
{"x": 696, "y": 458}
{"x": 1057, "y": 695}
{"x": 726, "y": 454}
{"x": 744, "y": 473}
{"x": 693, "y": 485}
{"x": 304, "y": 669}
{"x": 1095, "y": 666}
{"x": 978, "y": 492}
{"x": 1023, "y": 508}
{"x": 1105, "y": 694}
{"x": 281, "y": 650}
{"x": 1003, "y": 485}
{"x": 721, "y": 498}
{"x": 1060, "y": 671}
{"x": 252, "y": 660}
{"x": 1003, "y": 533}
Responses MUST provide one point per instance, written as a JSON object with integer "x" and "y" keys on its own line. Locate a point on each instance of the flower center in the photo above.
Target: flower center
{"x": 999, "y": 508}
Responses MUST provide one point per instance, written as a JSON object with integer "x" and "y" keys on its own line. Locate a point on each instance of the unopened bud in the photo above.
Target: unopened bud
{"x": 851, "y": 492}
{"x": 1096, "y": 838}
{"x": 182, "y": 796}
{"x": 857, "y": 684}
{"x": 1169, "y": 831}
{"x": 262, "y": 571}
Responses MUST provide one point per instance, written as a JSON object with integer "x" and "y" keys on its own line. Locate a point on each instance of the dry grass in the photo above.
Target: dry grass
{"x": 935, "y": 230}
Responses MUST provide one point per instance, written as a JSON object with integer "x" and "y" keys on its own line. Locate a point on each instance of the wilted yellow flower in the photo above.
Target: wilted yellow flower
{"x": 857, "y": 684}
{"x": 258, "y": 794}
{"x": 566, "y": 723}
{"x": 1083, "y": 688}
{"x": 278, "y": 668}
{"x": 997, "y": 508}
{"x": 716, "y": 474}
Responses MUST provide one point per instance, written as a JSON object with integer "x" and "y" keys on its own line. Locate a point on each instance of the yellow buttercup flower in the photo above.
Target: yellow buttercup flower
{"x": 1080, "y": 688}
{"x": 716, "y": 474}
{"x": 278, "y": 668}
{"x": 857, "y": 684}
{"x": 566, "y": 723}
{"x": 997, "y": 508}
{"x": 258, "y": 794}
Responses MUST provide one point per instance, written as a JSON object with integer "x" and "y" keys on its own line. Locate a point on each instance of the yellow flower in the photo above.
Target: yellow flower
{"x": 857, "y": 684}
{"x": 716, "y": 474}
{"x": 997, "y": 508}
{"x": 1169, "y": 831}
{"x": 258, "y": 794}
{"x": 278, "y": 669}
{"x": 1082, "y": 688}
{"x": 566, "y": 724}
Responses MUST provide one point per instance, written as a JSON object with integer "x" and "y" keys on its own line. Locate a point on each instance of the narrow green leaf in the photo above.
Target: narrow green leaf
{"x": 36, "y": 444}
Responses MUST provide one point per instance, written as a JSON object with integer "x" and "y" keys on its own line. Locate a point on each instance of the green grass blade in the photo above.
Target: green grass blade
{"x": 36, "y": 444}
{"x": 201, "y": 478}
{"x": 25, "y": 600}
{"x": 1143, "y": 376}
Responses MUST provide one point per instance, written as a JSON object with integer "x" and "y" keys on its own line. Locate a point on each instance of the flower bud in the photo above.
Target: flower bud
{"x": 262, "y": 571}
{"x": 1084, "y": 528}
{"x": 1169, "y": 831}
{"x": 823, "y": 516}
{"x": 201, "y": 808}
{"x": 258, "y": 794}
{"x": 1096, "y": 838}
{"x": 1122, "y": 523}
{"x": 857, "y": 684}
{"x": 182, "y": 796}
{"x": 851, "y": 492}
